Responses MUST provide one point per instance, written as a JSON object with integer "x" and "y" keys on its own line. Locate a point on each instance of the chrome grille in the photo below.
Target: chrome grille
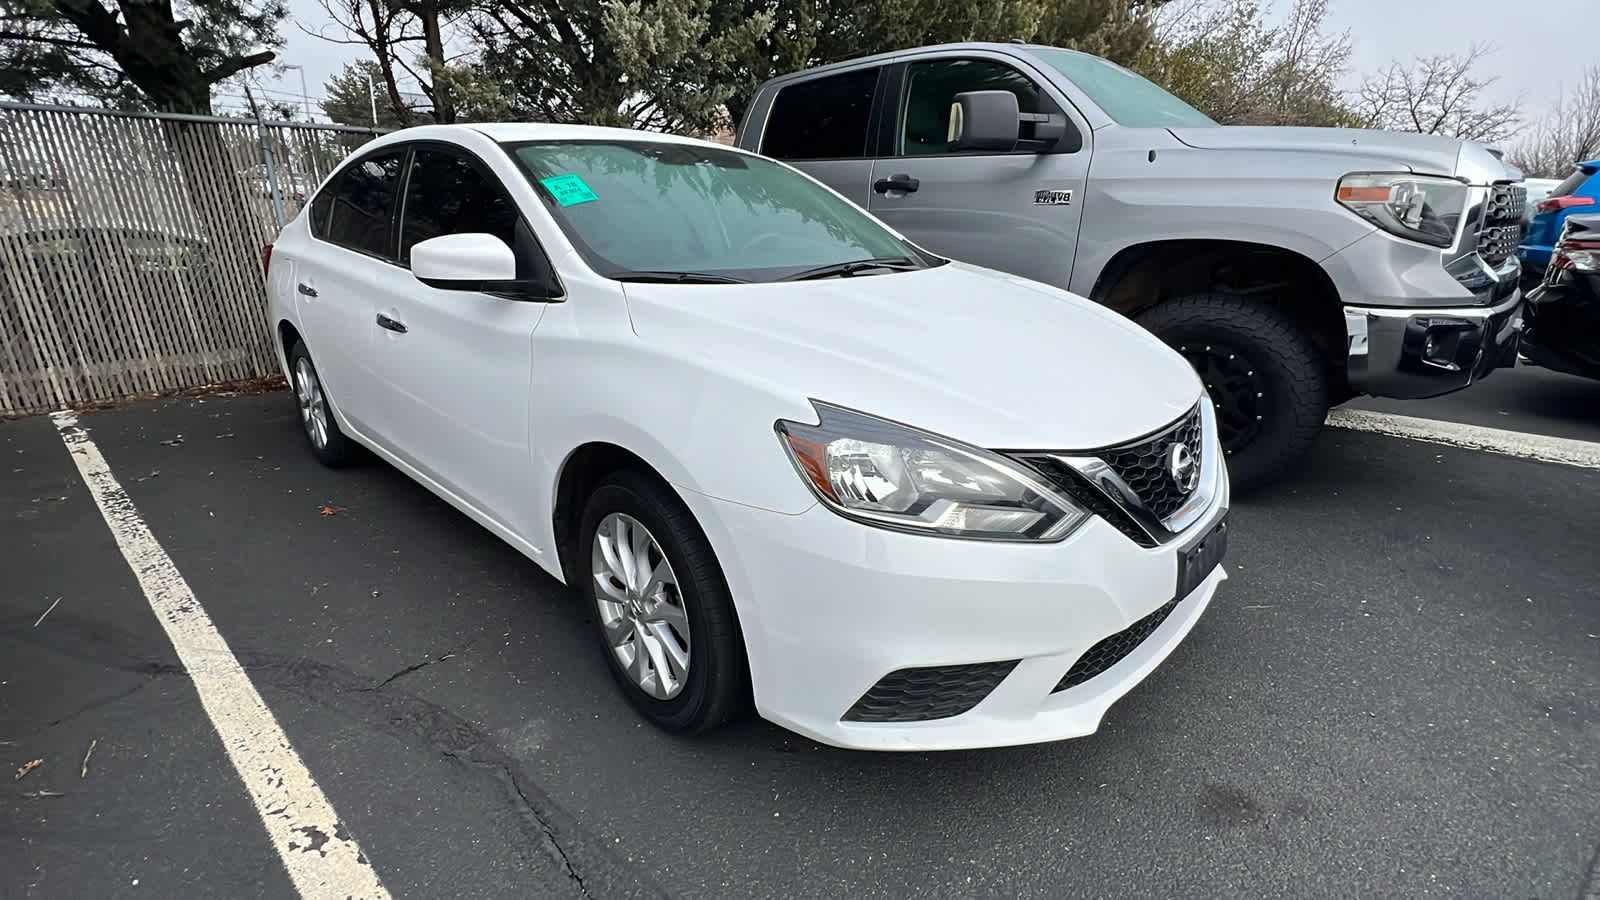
{"x": 1145, "y": 467}
{"x": 1502, "y": 228}
{"x": 1497, "y": 242}
{"x": 1506, "y": 203}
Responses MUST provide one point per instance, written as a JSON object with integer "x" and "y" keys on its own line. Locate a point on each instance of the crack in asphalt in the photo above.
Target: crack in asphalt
{"x": 403, "y": 673}
{"x": 590, "y": 866}
{"x": 532, "y": 810}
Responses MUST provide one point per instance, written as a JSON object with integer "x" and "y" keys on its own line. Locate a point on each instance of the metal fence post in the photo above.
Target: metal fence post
{"x": 272, "y": 177}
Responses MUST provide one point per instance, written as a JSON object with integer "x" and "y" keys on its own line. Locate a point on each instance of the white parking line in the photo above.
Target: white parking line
{"x": 322, "y": 859}
{"x": 1566, "y": 451}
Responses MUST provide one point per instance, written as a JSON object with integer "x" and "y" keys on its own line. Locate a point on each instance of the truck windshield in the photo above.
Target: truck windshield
{"x": 1130, "y": 99}
{"x": 688, "y": 213}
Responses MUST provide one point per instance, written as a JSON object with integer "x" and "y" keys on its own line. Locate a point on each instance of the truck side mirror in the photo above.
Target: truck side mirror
{"x": 985, "y": 120}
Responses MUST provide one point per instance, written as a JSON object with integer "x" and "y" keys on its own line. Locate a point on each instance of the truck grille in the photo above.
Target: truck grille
{"x": 1502, "y": 222}
{"x": 933, "y": 692}
{"x": 1506, "y": 203}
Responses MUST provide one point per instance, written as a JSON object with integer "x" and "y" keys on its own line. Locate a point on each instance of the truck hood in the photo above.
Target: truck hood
{"x": 1428, "y": 154}
{"x": 976, "y": 355}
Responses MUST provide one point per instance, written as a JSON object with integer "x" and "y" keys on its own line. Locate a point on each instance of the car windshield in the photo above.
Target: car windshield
{"x": 651, "y": 210}
{"x": 1126, "y": 97}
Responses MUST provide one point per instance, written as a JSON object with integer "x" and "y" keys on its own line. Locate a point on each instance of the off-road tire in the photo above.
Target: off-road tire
{"x": 1267, "y": 382}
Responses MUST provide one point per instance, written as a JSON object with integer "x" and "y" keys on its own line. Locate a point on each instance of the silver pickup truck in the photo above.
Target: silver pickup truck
{"x": 1296, "y": 268}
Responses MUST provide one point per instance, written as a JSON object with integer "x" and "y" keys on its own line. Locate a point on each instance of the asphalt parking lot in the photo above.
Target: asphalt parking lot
{"x": 1396, "y": 694}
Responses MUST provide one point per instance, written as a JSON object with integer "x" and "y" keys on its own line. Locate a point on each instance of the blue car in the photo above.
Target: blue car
{"x": 1579, "y": 192}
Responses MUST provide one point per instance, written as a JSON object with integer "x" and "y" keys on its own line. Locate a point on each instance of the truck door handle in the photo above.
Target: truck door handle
{"x": 306, "y": 289}
{"x": 391, "y": 324}
{"x": 903, "y": 183}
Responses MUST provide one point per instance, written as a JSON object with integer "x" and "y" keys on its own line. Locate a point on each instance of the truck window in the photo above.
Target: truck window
{"x": 1127, "y": 97}
{"x": 824, "y": 118}
{"x": 931, "y": 87}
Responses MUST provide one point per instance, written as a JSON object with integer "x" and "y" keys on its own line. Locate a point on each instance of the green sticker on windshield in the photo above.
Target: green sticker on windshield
{"x": 569, "y": 190}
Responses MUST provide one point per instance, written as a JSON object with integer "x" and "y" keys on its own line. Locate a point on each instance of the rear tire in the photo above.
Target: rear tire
{"x": 692, "y": 675}
{"x": 327, "y": 442}
{"x": 1268, "y": 383}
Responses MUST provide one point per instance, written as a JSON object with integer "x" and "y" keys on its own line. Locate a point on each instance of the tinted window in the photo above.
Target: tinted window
{"x": 932, "y": 86}
{"x": 827, "y": 118}
{"x": 1130, "y": 99}
{"x": 448, "y": 194}
{"x": 360, "y": 209}
{"x": 637, "y": 206}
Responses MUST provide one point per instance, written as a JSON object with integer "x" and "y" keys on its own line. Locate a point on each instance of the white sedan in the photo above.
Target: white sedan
{"x": 787, "y": 458}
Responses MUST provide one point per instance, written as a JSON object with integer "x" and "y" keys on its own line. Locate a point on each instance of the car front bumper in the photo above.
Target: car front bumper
{"x": 1414, "y": 353}
{"x": 832, "y": 609}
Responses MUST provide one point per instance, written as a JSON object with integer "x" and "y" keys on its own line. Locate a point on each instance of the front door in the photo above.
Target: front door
{"x": 1016, "y": 212}
{"x": 456, "y": 363}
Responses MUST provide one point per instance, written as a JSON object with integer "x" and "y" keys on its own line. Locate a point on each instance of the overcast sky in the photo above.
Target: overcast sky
{"x": 1541, "y": 46}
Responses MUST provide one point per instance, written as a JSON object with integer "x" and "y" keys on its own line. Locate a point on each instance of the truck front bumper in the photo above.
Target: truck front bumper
{"x": 1413, "y": 353}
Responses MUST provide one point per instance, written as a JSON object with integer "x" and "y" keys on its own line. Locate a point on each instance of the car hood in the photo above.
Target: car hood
{"x": 976, "y": 355}
{"x": 1422, "y": 153}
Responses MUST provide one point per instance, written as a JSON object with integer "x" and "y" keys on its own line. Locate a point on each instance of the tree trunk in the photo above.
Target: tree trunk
{"x": 444, "y": 108}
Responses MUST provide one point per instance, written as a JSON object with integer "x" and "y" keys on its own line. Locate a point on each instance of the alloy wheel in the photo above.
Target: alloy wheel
{"x": 313, "y": 406}
{"x": 640, "y": 606}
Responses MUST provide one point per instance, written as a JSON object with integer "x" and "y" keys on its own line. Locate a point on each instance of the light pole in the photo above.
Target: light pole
{"x": 305, "y": 96}
{"x": 372, "y": 98}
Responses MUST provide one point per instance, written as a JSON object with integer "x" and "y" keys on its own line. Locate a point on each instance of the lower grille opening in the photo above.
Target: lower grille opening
{"x": 933, "y": 692}
{"x": 1115, "y": 648}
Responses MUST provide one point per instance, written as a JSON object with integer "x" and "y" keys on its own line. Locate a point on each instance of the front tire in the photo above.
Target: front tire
{"x": 1267, "y": 381}
{"x": 663, "y": 613}
{"x": 328, "y": 443}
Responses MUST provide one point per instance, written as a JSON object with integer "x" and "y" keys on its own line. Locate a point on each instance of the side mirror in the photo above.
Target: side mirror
{"x": 464, "y": 262}
{"x": 985, "y": 120}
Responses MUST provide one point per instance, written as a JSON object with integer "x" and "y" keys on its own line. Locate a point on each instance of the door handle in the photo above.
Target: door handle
{"x": 391, "y": 324}
{"x": 902, "y": 183}
{"x": 306, "y": 289}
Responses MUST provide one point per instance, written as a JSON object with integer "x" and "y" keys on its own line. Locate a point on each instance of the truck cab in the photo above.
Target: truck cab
{"x": 1296, "y": 268}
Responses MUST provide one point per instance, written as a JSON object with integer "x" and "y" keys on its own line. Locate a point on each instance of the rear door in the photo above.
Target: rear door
{"x": 351, "y": 253}
{"x": 456, "y": 364}
{"x": 1017, "y": 212}
{"x": 823, "y": 126}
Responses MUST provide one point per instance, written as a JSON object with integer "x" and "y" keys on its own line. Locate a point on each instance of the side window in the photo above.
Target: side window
{"x": 447, "y": 194}
{"x": 360, "y": 206}
{"x": 932, "y": 86}
{"x": 826, "y": 118}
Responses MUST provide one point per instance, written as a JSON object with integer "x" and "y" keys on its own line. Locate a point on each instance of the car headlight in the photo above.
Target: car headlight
{"x": 894, "y": 476}
{"x": 1420, "y": 207}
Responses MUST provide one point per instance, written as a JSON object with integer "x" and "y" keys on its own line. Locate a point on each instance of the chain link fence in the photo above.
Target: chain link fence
{"x": 130, "y": 247}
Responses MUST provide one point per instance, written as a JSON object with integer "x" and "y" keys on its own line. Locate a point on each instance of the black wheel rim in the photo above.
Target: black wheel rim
{"x": 1237, "y": 391}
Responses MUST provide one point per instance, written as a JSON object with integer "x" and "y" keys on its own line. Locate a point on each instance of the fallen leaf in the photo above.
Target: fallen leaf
{"x": 84, "y": 772}
{"x": 37, "y": 795}
{"x": 28, "y": 767}
{"x": 225, "y": 434}
{"x": 332, "y": 510}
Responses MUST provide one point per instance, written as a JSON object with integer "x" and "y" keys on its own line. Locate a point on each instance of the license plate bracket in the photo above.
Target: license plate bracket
{"x": 1196, "y": 561}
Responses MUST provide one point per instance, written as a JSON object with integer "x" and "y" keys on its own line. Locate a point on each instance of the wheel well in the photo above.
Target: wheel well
{"x": 584, "y": 469}
{"x": 287, "y": 335}
{"x": 1145, "y": 275}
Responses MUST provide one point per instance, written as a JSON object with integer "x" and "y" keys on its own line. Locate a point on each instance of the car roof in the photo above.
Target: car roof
{"x": 1008, "y": 47}
{"x": 504, "y": 132}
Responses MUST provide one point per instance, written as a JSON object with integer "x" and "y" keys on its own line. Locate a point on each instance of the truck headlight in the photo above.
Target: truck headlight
{"x": 894, "y": 476}
{"x": 1419, "y": 207}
